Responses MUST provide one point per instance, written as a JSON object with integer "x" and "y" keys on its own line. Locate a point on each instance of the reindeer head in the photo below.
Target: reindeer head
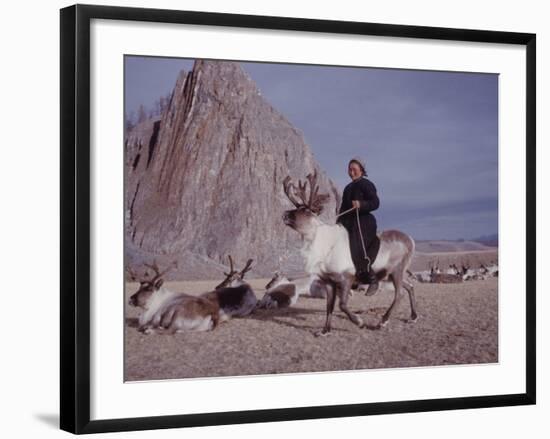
{"x": 276, "y": 279}
{"x": 308, "y": 207}
{"x": 147, "y": 284}
{"x": 234, "y": 278}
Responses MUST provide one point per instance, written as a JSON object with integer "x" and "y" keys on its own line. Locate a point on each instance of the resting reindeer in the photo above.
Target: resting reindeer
{"x": 282, "y": 292}
{"x": 170, "y": 311}
{"x": 327, "y": 252}
{"x": 233, "y": 295}
{"x": 177, "y": 312}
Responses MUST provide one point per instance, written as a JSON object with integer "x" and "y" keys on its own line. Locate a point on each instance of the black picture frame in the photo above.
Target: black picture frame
{"x": 75, "y": 217}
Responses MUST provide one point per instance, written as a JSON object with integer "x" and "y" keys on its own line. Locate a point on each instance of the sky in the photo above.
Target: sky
{"x": 429, "y": 139}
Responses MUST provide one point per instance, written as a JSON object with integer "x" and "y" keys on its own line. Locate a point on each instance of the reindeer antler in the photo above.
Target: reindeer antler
{"x": 246, "y": 268}
{"x": 232, "y": 270}
{"x": 133, "y": 275}
{"x": 158, "y": 273}
{"x": 228, "y": 276}
{"x": 289, "y": 188}
{"x": 314, "y": 202}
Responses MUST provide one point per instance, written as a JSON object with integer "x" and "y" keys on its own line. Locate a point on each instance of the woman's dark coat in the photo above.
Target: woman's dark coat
{"x": 364, "y": 191}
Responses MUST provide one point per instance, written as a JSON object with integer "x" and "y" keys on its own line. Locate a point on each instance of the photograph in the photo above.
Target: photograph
{"x": 288, "y": 218}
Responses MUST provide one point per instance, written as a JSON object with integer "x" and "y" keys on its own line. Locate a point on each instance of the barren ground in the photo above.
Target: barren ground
{"x": 457, "y": 325}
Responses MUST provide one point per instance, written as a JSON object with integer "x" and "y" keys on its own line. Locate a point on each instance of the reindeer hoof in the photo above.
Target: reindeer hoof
{"x": 371, "y": 290}
{"x": 321, "y": 333}
{"x": 413, "y": 319}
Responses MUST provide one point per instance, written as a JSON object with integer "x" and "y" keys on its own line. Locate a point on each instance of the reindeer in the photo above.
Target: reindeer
{"x": 234, "y": 276}
{"x": 469, "y": 273}
{"x": 166, "y": 310}
{"x": 424, "y": 276}
{"x": 282, "y": 292}
{"x": 282, "y": 295}
{"x": 492, "y": 269}
{"x": 434, "y": 268}
{"x": 453, "y": 269}
{"x": 474, "y": 274}
{"x": 310, "y": 286}
{"x": 327, "y": 252}
{"x": 233, "y": 295}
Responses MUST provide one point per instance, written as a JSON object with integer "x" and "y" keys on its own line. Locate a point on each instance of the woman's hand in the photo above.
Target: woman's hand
{"x": 356, "y": 204}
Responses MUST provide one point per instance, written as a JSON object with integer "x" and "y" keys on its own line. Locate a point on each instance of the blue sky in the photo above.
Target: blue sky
{"x": 430, "y": 139}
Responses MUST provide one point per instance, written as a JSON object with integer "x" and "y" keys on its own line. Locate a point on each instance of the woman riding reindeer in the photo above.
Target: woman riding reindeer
{"x": 358, "y": 201}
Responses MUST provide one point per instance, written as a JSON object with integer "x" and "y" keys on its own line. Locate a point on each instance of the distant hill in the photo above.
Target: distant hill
{"x": 451, "y": 246}
{"x": 489, "y": 240}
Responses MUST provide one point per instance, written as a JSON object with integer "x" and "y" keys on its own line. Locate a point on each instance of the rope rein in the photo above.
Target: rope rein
{"x": 362, "y": 240}
{"x": 344, "y": 212}
{"x": 361, "y": 234}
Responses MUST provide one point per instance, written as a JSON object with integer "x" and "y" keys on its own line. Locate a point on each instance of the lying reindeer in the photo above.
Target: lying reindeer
{"x": 233, "y": 295}
{"x": 179, "y": 312}
{"x": 327, "y": 252}
{"x": 282, "y": 292}
{"x": 169, "y": 311}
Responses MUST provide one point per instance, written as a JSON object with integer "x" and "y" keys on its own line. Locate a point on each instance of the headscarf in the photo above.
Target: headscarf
{"x": 361, "y": 164}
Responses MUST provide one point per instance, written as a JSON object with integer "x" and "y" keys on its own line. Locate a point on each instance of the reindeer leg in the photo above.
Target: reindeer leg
{"x": 410, "y": 289}
{"x": 146, "y": 329}
{"x": 331, "y": 300}
{"x": 397, "y": 281}
{"x": 343, "y": 291}
{"x": 215, "y": 319}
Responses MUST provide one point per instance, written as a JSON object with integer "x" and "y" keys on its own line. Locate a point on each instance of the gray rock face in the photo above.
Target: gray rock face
{"x": 205, "y": 180}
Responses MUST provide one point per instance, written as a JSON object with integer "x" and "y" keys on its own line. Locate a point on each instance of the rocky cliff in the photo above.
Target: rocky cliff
{"x": 205, "y": 179}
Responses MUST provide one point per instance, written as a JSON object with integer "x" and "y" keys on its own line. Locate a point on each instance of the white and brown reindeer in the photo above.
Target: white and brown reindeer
{"x": 233, "y": 295}
{"x": 282, "y": 292}
{"x": 327, "y": 252}
{"x": 492, "y": 269}
{"x": 166, "y": 310}
{"x": 469, "y": 273}
{"x": 453, "y": 269}
{"x": 424, "y": 276}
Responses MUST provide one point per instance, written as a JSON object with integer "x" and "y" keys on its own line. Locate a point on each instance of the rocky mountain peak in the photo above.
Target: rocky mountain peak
{"x": 205, "y": 180}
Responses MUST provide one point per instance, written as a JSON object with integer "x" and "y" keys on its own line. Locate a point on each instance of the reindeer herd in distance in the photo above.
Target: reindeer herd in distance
{"x": 331, "y": 275}
{"x": 453, "y": 274}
